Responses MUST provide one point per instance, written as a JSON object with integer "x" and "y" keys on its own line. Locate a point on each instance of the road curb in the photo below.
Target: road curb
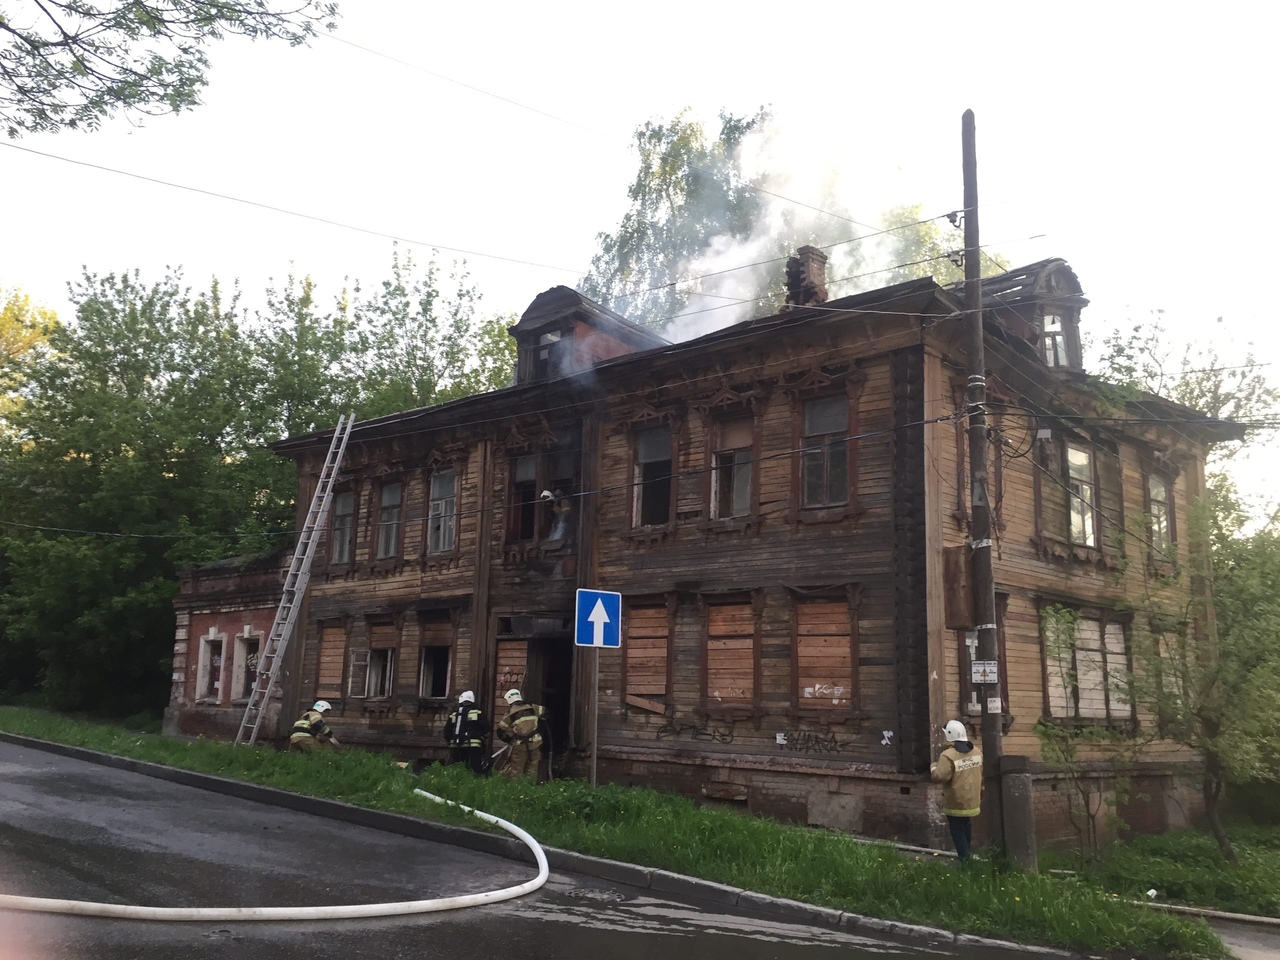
{"x": 614, "y": 871}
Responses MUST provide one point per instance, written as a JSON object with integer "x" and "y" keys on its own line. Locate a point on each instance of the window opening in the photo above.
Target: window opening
{"x": 378, "y": 681}
{"x": 1055, "y": 341}
{"x": 652, "y": 479}
{"x": 433, "y": 673}
{"x": 731, "y": 471}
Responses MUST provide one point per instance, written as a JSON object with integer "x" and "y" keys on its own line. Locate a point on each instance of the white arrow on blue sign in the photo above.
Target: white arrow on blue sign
{"x": 598, "y": 619}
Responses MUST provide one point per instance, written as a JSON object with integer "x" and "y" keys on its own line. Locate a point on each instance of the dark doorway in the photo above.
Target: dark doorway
{"x": 549, "y": 681}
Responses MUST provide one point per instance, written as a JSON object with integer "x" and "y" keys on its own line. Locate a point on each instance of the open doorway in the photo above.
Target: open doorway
{"x": 535, "y": 655}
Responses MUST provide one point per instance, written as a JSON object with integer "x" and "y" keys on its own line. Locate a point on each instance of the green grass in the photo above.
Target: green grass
{"x": 669, "y": 832}
{"x": 1185, "y": 867}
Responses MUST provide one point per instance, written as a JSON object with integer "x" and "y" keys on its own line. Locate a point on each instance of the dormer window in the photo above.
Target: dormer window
{"x": 1055, "y": 342}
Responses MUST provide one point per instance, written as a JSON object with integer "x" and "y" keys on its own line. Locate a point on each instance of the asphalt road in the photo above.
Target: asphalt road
{"x": 76, "y": 830}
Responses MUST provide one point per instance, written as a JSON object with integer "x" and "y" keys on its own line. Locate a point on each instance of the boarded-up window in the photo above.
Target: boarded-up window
{"x": 512, "y": 657}
{"x": 645, "y": 650}
{"x": 824, "y": 654}
{"x": 333, "y": 654}
{"x": 1087, "y": 671}
{"x": 730, "y": 658}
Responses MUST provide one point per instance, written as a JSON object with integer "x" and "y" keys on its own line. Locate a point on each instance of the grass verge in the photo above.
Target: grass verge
{"x": 669, "y": 832}
{"x": 1185, "y": 867}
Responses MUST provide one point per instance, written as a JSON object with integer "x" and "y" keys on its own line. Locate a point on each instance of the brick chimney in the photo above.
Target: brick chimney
{"x": 806, "y": 278}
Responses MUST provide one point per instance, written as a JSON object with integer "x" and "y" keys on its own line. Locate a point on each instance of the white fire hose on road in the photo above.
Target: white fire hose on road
{"x": 121, "y": 911}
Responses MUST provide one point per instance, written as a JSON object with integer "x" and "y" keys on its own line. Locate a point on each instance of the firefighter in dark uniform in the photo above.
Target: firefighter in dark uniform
{"x": 519, "y": 730}
{"x": 310, "y": 733}
{"x": 464, "y": 731}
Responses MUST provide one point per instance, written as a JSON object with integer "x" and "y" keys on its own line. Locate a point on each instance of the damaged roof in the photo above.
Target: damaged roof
{"x": 551, "y": 307}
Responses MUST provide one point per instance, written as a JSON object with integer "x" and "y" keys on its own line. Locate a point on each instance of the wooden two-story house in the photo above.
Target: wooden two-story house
{"x": 782, "y": 504}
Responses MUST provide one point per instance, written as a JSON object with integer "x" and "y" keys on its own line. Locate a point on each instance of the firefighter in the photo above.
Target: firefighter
{"x": 464, "y": 731}
{"x": 959, "y": 770}
{"x": 310, "y": 732}
{"x": 519, "y": 730}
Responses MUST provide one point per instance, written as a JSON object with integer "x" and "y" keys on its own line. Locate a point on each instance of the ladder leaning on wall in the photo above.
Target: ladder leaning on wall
{"x": 295, "y": 586}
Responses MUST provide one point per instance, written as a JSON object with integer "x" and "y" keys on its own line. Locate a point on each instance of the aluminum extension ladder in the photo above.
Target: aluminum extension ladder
{"x": 295, "y": 586}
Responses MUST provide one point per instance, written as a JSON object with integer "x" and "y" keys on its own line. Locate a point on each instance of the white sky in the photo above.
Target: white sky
{"x": 1133, "y": 136}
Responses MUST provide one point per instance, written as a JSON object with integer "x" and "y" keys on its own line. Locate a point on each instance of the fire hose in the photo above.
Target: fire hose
{"x": 123, "y": 911}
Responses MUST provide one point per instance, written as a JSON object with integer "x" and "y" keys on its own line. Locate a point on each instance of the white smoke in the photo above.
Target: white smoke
{"x": 788, "y": 161}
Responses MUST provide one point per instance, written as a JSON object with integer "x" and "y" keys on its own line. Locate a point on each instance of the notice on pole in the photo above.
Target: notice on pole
{"x": 984, "y": 671}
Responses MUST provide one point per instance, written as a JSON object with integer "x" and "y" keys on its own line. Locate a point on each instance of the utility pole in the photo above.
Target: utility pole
{"x": 984, "y": 591}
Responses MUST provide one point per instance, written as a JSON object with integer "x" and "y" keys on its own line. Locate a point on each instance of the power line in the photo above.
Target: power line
{"x": 292, "y": 213}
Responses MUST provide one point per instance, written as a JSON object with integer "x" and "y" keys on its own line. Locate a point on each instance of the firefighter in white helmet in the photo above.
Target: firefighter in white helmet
{"x": 464, "y": 731}
{"x": 959, "y": 770}
{"x": 519, "y": 729}
{"x": 310, "y": 732}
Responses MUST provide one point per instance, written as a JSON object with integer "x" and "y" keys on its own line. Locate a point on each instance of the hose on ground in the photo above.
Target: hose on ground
{"x": 122, "y": 911}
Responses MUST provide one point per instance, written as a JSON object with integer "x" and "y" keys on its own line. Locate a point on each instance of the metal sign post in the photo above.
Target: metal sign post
{"x": 597, "y": 623}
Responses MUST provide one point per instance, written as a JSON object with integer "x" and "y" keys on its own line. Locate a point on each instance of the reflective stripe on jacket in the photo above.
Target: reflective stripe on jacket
{"x": 960, "y": 774}
{"x": 465, "y": 727}
{"x": 520, "y": 725}
{"x": 310, "y": 724}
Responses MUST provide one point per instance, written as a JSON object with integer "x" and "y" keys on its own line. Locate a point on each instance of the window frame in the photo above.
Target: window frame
{"x": 819, "y": 384}
{"x": 718, "y": 447}
{"x": 448, "y": 618}
{"x": 1163, "y": 556}
{"x": 1104, "y": 617}
{"x": 333, "y": 560}
{"x": 377, "y": 523}
{"x": 825, "y": 442}
{"x": 428, "y": 481}
{"x": 543, "y": 520}
{"x": 1074, "y": 499}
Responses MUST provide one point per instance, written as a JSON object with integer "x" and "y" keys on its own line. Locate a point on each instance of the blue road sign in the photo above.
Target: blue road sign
{"x": 598, "y": 620}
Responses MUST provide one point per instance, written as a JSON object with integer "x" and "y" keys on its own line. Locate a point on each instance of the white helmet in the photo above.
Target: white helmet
{"x": 466, "y": 697}
{"x": 320, "y": 706}
{"x": 954, "y": 730}
{"x": 512, "y": 696}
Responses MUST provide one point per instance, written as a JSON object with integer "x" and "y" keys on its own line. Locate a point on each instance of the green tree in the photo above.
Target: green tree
{"x": 24, "y": 330}
{"x": 421, "y": 345}
{"x": 73, "y": 64}
{"x": 1208, "y": 674}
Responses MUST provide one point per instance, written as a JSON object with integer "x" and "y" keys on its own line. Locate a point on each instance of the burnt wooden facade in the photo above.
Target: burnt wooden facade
{"x": 780, "y": 504}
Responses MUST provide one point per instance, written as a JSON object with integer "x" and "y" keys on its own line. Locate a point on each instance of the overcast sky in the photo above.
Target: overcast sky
{"x": 1133, "y": 139}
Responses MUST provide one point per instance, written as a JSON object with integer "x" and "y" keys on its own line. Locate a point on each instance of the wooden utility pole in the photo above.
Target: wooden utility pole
{"x": 984, "y": 590}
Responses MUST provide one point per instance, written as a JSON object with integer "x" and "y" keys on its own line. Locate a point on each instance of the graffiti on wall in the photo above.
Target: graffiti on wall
{"x": 700, "y": 731}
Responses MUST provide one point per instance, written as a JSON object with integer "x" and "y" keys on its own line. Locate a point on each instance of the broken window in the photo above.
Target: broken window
{"x": 824, "y": 464}
{"x": 524, "y": 497}
{"x": 209, "y": 686}
{"x": 245, "y": 667}
{"x": 1054, "y": 342}
{"x": 442, "y": 512}
{"x": 344, "y": 516}
{"x": 1087, "y": 668}
{"x": 546, "y": 355}
{"x": 434, "y": 654}
{"x": 1161, "y": 514}
{"x": 731, "y": 470}
{"x": 378, "y": 680}
{"x": 653, "y": 480}
{"x": 557, "y": 509}
{"x": 389, "y": 521}
{"x": 1083, "y": 496}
